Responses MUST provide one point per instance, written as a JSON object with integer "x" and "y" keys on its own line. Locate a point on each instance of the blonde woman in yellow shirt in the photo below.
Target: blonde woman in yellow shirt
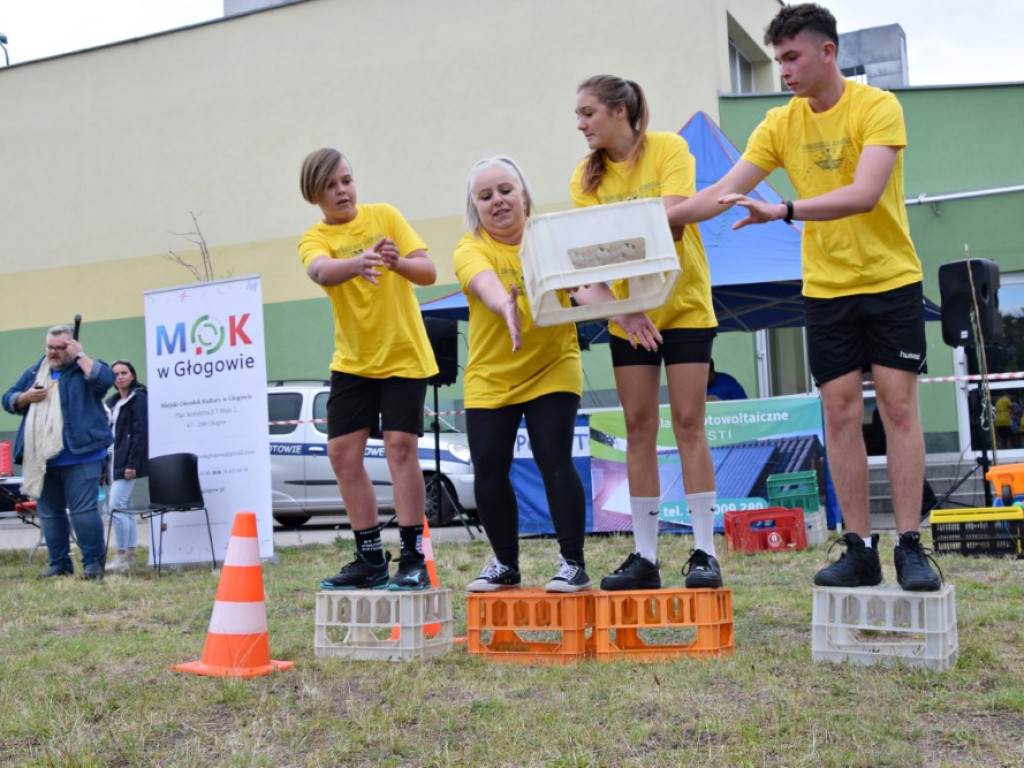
{"x": 516, "y": 370}
{"x": 627, "y": 162}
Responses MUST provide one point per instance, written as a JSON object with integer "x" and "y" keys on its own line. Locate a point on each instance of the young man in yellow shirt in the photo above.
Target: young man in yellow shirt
{"x": 841, "y": 144}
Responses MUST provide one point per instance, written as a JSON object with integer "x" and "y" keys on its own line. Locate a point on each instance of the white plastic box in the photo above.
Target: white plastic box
{"x": 630, "y": 240}
{"x": 885, "y": 625}
{"x": 381, "y": 624}
{"x": 817, "y": 527}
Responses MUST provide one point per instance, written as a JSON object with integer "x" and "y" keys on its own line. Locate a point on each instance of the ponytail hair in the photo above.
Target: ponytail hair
{"x": 613, "y": 91}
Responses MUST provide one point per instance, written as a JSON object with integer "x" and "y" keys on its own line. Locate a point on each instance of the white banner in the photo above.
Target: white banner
{"x": 207, "y": 377}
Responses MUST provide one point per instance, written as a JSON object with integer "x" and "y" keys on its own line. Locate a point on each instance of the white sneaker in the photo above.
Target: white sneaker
{"x": 495, "y": 576}
{"x": 121, "y": 562}
{"x": 570, "y": 578}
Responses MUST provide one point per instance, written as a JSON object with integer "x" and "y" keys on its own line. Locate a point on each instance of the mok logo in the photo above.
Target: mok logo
{"x": 206, "y": 335}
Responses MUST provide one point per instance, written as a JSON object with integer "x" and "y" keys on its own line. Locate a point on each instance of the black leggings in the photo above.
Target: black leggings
{"x": 550, "y": 423}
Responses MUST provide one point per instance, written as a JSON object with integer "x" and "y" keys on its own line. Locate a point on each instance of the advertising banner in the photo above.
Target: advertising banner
{"x": 750, "y": 441}
{"x": 207, "y": 378}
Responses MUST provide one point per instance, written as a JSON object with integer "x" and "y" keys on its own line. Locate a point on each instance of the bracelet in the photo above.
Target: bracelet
{"x": 789, "y": 212}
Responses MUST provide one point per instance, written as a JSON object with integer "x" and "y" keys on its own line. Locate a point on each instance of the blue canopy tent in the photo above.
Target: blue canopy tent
{"x": 755, "y": 271}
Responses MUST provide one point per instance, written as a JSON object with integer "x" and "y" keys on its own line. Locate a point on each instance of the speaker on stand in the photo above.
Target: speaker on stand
{"x": 444, "y": 340}
{"x": 971, "y": 319}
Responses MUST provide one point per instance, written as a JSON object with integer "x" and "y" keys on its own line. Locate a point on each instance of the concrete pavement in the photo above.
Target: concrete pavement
{"x": 18, "y": 535}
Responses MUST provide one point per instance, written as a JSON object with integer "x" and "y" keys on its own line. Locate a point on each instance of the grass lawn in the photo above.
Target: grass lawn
{"x": 86, "y": 682}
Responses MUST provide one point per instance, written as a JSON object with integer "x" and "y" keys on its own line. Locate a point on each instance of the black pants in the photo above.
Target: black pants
{"x": 550, "y": 424}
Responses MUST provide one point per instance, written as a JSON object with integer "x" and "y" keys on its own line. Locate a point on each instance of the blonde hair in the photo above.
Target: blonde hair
{"x": 472, "y": 216}
{"x": 613, "y": 91}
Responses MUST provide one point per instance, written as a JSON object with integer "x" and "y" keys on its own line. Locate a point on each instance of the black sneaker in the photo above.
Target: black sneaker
{"x": 570, "y": 578}
{"x": 912, "y": 569}
{"x": 636, "y": 573}
{"x": 54, "y": 571}
{"x": 858, "y": 566}
{"x": 702, "y": 570}
{"x": 411, "y": 574}
{"x": 360, "y": 574}
{"x": 494, "y": 577}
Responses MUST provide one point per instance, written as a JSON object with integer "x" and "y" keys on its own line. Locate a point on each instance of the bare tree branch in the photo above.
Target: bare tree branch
{"x": 203, "y": 272}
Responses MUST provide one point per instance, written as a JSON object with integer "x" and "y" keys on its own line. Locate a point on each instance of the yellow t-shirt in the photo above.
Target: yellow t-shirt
{"x": 495, "y": 376}
{"x": 665, "y": 168}
{"x": 867, "y": 253}
{"x": 1003, "y": 407}
{"x": 378, "y": 329}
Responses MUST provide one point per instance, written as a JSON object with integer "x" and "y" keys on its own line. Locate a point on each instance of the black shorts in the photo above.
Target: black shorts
{"x": 356, "y": 402}
{"x": 679, "y": 345}
{"x": 852, "y": 333}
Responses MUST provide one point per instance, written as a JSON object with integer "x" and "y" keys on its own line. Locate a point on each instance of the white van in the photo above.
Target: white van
{"x": 303, "y": 482}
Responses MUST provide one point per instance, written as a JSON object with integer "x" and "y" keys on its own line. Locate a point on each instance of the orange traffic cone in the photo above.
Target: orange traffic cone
{"x": 237, "y": 644}
{"x": 428, "y": 555}
{"x": 429, "y": 630}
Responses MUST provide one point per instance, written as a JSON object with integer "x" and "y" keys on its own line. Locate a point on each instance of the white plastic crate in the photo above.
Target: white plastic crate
{"x": 885, "y": 625}
{"x": 630, "y": 240}
{"x": 381, "y": 624}
{"x": 817, "y": 527}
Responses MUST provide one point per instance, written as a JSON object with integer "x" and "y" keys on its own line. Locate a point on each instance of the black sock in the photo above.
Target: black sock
{"x": 368, "y": 544}
{"x": 411, "y": 537}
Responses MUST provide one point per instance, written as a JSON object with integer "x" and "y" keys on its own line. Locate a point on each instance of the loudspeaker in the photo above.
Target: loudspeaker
{"x": 443, "y": 335}
{"x": 958, "y": 303}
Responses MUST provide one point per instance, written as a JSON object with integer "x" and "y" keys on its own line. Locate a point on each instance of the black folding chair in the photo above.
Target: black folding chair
{"x": 173, "y": 487}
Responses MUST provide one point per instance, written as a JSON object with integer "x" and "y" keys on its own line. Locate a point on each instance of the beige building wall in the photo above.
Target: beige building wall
{"x": 104, "y": 154}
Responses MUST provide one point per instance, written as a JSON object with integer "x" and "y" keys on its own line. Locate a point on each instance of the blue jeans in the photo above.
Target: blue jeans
{"x": 72, "y": 489}
{"x": 125, "y": 527}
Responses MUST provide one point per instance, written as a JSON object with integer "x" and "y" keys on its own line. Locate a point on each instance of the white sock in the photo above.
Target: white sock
{"x": 867, "y": 541}
{"x": 645, "y": 511}
{"x": 702, "y": 518}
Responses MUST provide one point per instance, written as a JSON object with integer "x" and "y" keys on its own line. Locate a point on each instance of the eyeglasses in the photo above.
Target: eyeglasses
{"x": 63, "y": 348}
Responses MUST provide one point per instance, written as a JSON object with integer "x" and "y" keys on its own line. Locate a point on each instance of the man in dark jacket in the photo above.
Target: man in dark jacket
{"x": 61, "y": 444}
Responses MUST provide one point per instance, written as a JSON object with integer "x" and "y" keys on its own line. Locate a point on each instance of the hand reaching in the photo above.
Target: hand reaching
{"x": 639, "y": 330}
{"x": 388, "y": 252}
{"x": 368, "y": 264}
{"x": 513, "y": 318}
{"x": 758, "y": 211}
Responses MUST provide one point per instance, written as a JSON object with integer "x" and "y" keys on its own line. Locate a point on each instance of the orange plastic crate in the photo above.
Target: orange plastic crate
{"x": 765, "y": 530}
{"x": 650, "y": 625}
{"x": 529, "y": 626}
{"x": 1007, "y": 480}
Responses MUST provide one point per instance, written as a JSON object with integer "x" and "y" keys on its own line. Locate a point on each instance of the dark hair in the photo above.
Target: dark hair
{"x": 613, "y": 91}
{"x": 316, "y": 172}
{"x": 794, "y": 19}
{"x": 130, "y": 367}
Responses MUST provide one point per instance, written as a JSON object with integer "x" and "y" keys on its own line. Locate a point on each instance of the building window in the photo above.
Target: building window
{"x": 741, "y": 71}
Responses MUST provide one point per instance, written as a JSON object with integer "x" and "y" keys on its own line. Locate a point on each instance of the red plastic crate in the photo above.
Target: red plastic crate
{"x": 772, "y": 529}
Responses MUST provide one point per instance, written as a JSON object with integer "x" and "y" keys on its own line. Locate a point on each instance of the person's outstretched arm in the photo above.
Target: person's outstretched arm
{"x": 861, "y": 196}
{"x": 707, "y": 203}
{"x": 487, "y": 287}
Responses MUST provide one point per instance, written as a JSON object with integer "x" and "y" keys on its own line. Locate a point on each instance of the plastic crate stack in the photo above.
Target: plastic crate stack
{"x": 531, "y": 626}
{"x": 799, "y": 490}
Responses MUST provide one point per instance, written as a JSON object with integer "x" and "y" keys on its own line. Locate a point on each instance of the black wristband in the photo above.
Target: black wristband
{"x": 789, "y": 212}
